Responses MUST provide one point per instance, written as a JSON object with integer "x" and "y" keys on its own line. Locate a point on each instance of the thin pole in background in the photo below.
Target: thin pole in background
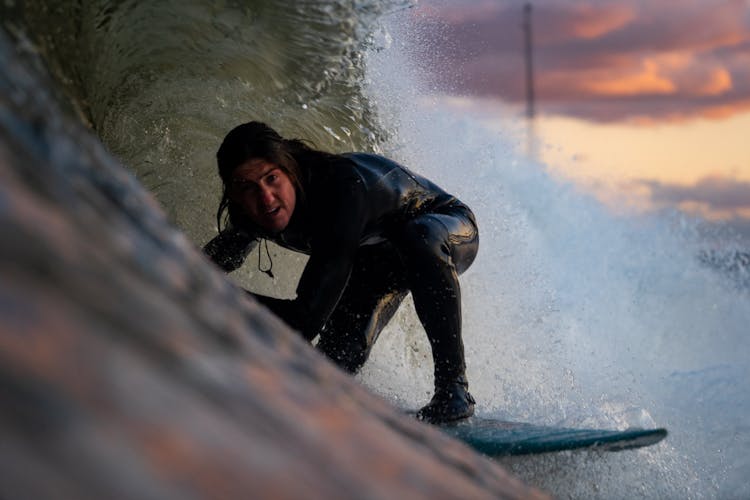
{"x": 530, "y": 104}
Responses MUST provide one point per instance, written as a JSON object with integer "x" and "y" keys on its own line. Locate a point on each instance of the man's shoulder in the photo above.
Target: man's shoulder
{"x": 368, "y": 159}
{"x": 372, "y": 167}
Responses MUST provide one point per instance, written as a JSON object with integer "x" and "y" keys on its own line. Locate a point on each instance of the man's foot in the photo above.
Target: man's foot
{"x": 451, "y": 402}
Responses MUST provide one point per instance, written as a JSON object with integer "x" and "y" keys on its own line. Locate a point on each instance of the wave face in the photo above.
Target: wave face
{"x": 573, "y": 315}
{"x": 162, "y": 82}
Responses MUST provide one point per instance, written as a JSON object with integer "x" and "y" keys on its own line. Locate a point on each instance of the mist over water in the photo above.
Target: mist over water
{"x": 573, "y": 315}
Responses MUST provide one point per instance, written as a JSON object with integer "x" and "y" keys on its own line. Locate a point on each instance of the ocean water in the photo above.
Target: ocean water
{"x": 573, "y": 315}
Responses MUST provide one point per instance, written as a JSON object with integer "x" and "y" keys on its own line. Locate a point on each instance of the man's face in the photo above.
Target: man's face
{"x": 265, "y": 192}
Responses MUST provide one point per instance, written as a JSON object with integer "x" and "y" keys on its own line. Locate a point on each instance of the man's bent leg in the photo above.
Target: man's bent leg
{"x": 434, "y": 248}
{"x": 371, "y": 298}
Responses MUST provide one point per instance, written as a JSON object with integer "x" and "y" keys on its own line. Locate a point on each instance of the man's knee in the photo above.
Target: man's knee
{"x": 425, "y": 238}
{"x": 440, "y": 239}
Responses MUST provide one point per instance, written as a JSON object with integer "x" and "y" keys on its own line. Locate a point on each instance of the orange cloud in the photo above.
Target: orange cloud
{"x": 720, "y": 112}
{"x": 661, "y": 76}
{"x": 589, "y": 21}
{"x": 646, "y": 81}
{"x": 727, "y": 110}
{"x": 719, "y": 81}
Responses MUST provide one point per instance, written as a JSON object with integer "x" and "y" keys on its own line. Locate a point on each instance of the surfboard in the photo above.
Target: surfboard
{"x": 497, "y": 438}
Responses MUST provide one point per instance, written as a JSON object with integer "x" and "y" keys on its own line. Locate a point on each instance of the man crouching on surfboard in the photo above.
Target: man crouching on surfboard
{"x": 374, "y": 232}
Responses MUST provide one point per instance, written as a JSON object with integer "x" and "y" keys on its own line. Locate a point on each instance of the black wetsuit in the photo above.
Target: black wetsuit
{"x": 374, "y": 231}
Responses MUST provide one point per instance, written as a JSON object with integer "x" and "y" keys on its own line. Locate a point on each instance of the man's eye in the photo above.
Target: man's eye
{"x": 242, "y": 186}
{"x": 272, "y": 178}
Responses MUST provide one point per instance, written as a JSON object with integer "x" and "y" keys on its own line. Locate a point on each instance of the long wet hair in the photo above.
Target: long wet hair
{"x": 256, "y": 140}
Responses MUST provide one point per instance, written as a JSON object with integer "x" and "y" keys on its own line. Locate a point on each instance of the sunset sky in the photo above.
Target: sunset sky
{"x": 648, "y": 97}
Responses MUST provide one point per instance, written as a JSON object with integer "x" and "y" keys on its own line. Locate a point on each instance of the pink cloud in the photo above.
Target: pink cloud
{"x": 594, "y": 21}
{"x": 605, "y": 60}
{"x": 580, "y": 21}
{"x": 713, "y": 198}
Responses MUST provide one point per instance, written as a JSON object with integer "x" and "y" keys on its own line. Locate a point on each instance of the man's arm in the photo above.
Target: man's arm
{"x": 339, "y": 223}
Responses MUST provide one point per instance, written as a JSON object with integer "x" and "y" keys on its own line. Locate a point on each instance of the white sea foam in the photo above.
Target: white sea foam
{"x": 573, "y": 315}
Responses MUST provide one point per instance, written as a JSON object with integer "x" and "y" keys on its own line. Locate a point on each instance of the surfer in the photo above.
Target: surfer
{"x": 374, "y": 232}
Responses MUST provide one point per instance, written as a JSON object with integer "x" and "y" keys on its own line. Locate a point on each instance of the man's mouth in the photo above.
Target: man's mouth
{"x": 273, "y": 211}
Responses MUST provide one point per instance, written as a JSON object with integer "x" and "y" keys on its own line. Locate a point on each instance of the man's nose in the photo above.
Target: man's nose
{"x": 266, "y": 195}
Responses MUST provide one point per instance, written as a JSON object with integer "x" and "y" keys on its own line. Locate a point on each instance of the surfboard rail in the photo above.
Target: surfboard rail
{"x": 497, "y": 438}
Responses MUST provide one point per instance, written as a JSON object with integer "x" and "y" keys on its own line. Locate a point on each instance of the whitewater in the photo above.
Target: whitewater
{"x": 574, "y": 314}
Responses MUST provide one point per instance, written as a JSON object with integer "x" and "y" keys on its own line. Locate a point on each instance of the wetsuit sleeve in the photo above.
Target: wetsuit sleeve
{"x": 230, "y": 248}
{"x": 339, "y": 223}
